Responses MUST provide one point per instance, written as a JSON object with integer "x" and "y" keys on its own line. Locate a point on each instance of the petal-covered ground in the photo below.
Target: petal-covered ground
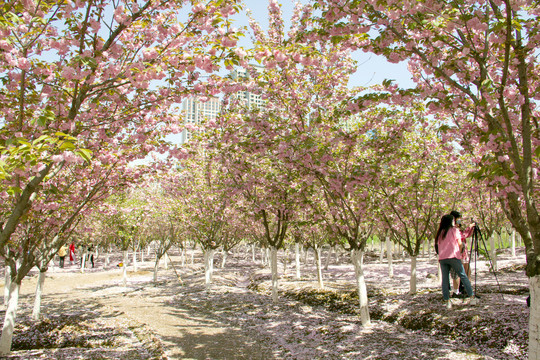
{"x": 92, "y": 315}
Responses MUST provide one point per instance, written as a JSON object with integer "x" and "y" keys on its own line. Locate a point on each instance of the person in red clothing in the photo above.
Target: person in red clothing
{"x": 448, "y": 240}
{"x": 71, "y": 252}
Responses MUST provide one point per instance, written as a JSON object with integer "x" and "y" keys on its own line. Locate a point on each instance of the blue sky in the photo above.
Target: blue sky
{"x": 372, "y": 69}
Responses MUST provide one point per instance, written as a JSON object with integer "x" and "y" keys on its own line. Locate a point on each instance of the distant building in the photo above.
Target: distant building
{"x": 249, "y": 98}
{"x": 195, "y": 111}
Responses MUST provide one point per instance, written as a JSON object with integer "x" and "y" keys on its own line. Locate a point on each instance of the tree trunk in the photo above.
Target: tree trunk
{"x": 412, "y": 282}
{"x": 83, "y": 261}
{"x": 182, "y": 257}
{"x": 534, "y": 318}
{"x": 224, "y": 259}
{"x": 134, "y": 260}
{"x": 328, "y": 256}
{"x": 208, "y": 266}
{"x": 357, "y": 258}
{"x": 124, "y": 268}
{"x": 389, "y": 256}
{"x": 165, "y": 261}
{"x": 36, "y": 312}
{"x": 273, "y": 260}
{"x": 381, "y": 255}
{"x": 7, "y": 283}
{"x": 253, "y": 253}
{"x": 493, "y": 252}
{"x": 319, "y": 267}
{"x": 156, "y": 267}
{"x": 513, "y": 243}
{"x": 297, "y": 260}
{"x": 9, "y": 320}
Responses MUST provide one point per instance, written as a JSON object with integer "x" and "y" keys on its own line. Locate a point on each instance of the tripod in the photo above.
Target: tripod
{"x": 477, "y": 235}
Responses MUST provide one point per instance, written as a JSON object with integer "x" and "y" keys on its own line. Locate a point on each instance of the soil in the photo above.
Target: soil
{"x": 94, "y": 315}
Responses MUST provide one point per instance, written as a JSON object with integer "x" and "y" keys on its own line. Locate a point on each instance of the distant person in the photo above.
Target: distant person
{"x": 62, "y": 252}
{"x": 449, "y": 247}
{"x": 91, "y": 254}
{"x": 72, "y": 252}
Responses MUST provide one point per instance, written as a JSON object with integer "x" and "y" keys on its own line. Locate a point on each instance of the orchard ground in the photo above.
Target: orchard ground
{"x": 92, "y": 315}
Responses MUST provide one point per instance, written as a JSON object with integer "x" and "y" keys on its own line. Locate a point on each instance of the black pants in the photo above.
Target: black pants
{"x": 62, "y": 261}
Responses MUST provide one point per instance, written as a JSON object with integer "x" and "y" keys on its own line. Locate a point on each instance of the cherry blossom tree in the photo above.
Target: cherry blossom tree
{"x": 477, "y": 63}
{"x": 416, "y": 179}
{"x": 80, "y": 75}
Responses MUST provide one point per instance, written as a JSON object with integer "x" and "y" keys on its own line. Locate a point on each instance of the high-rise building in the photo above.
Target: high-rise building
{"x": 250, "y": 99}
{"x": 195, "y": 111}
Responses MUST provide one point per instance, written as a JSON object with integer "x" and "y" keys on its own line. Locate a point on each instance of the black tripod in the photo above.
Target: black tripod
{"x": 476, "y": 236}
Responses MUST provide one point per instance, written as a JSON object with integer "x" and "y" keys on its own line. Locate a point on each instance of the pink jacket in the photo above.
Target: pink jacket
{"x": 449, "y": 246}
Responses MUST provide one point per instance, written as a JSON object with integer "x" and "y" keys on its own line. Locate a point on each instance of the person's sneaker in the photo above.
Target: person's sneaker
{"x": 449, "y": 304}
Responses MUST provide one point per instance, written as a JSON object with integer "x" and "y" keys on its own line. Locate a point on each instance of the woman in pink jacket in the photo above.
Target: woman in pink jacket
{"x": 448, "y": 240}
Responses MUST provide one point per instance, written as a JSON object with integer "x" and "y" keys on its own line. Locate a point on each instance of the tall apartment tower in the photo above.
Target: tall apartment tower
{"x": 196, "y": 111}
{"x": 250, "y": 99}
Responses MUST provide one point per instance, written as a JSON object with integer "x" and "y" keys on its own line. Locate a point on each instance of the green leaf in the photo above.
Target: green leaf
{"x": 67, "y": 145}
{"x": 85, "y": 154}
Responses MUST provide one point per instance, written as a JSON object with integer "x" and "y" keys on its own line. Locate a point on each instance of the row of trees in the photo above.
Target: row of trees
{"x": 90, "y": 87}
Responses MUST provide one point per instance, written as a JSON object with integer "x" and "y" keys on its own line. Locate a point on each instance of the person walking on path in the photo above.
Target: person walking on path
{"x": 62, "y": 252}
{"x": 91, "y": 254}
{"x": 72, "y": 252}
{"x": 449, "y": 246}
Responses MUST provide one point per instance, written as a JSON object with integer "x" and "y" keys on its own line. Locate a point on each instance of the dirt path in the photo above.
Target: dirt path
{"x": 184, "y": 333}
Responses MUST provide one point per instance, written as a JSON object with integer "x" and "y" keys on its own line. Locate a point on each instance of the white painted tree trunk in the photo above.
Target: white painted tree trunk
{"x": 224, "y": 258}
{"x": 319, "y": 267}
{"x": 83, "y": 262}
{"x": 534, "y": 318}
{"x": 328, "y": 257}
{"x": 166, "y": 261}
{"x": 192, "y": 256}
{"x": 297, "y": 260}
{"x": 493, "y": 252}
{"x": 135, "y": 261}
{"x": 7, "y": 283}
{"x": 263, "y": 260}
{"x": 253, "y": 253}
{"x": 208, "y": 266}
{"x": 357, "y": 258}
{"x": 285, "y": 261}
{"x": 273, "y": 261}
{"x": 412, "y": 281}
{"x": 513, "y": 243}
{"x": 156, "y": 267}
{"x": 389, "y": 257}
{"x": 124, "y": 268}
{"x": 142, "y": 255}
{"x": 381, "y": 254}
{"x": 183, "y": 257}
{"x": 36, "y": 312}
{"x": 9, "y": 319}
{"x": 108, "y": 258}
{"x": 439, "y": 272}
